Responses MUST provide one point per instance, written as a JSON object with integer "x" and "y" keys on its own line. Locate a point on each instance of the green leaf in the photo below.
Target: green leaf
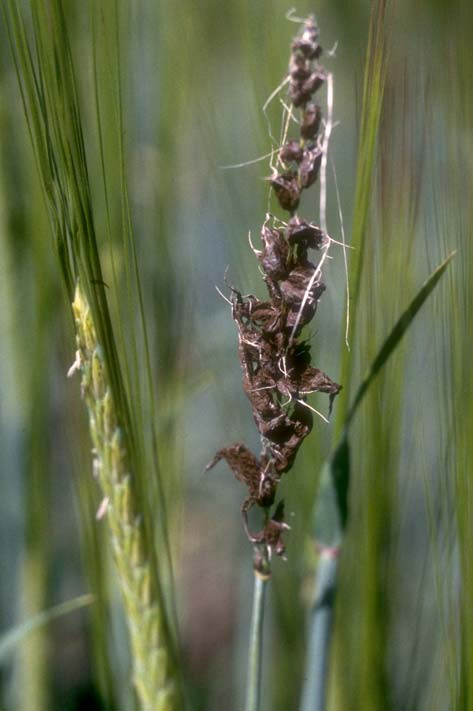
{"x": 331, "y": 509}
{"x": 396, "y": 335}
{"x": 9, "y": 640}
{"x": 374, "y": 79}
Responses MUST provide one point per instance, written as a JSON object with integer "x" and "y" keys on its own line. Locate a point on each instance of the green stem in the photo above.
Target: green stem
{"x": 253, "y": 687}
{"x": 314, "y": 694}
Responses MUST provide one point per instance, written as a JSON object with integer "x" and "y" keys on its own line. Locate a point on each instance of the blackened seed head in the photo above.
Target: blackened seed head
{"x": 300, "y": 91}
{"x": 311, "y": 121}
{"x": 265, "y": 316}
{"x": 267, "y": 497}
{"x": 270, "y": 235}
{"x": 287, "y": 190}
{"x": 307, "y": 46}
{"x": 275, "y": 243}
{"x": 299, "y": 351}
{"x": 303, "y": 416}
{"x": 274, "y": 256}
{"x": 313, "y": 83}
{"x": 243, "y": 463}
{"x": 299, "y": 68}
{"x": 294, "y": 287}
{"x": 310, "y": 166}
{"x": 312, "y": 380}
{"x": 296, "y": 94}
{"x": 267, "y": 485}
{"x": 301, "y": 232}
{"x": 286, "y": 454}
{"x": 291, "y": 151}
{"x": 298, "y": 318}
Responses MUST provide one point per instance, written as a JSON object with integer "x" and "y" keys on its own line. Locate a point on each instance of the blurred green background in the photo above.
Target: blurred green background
{"x": 195, "y": 76}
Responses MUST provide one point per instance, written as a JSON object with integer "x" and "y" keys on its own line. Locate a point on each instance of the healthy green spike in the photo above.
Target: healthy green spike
{"x": 152, "y": 673}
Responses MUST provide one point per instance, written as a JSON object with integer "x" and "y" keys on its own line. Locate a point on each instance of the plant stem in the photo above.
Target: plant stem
{"x": 253, "y": 686}
{"x": 315, "y": 687}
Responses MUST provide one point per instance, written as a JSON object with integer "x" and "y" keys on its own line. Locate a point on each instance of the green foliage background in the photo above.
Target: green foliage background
{"x": 193, "y": 79}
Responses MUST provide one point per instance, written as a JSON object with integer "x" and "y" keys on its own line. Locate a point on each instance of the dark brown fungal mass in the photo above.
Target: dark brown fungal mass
{"x": 287, "y": 189}
{"x": 310, "y": 166}
{"x": 276, "y": 363}
{"x": 311, "y": 119}
{"x": 304, "y": 233}
{"x": 275, "y": 254}
{"x": 291, "y": 151}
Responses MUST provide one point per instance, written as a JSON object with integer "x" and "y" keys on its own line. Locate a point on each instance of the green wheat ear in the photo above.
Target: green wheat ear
{"x": 152, "y": 673}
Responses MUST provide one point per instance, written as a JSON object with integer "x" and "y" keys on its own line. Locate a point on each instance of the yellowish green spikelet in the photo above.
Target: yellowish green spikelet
{"x": 151, "y": 673}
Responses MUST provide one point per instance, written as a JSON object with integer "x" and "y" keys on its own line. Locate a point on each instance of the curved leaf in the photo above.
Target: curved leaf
{"x": 9, "y": 640}
{"x": 396, "y": 334}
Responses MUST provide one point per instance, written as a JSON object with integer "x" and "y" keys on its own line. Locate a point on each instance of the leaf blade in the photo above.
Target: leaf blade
{"x": 396, "y": 335}
{"x": 10, "y": 639}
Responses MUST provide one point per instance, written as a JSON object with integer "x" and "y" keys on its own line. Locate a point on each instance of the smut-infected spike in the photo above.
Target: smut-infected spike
{"x": 276, "y": 363}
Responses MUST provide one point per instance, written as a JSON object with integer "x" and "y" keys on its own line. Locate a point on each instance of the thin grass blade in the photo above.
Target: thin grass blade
{"x": 11, "y": 639}
{"x": 397, "y": 333}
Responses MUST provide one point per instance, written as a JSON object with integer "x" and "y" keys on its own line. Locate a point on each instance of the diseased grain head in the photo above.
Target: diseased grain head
{"x": 276, "y": 363}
